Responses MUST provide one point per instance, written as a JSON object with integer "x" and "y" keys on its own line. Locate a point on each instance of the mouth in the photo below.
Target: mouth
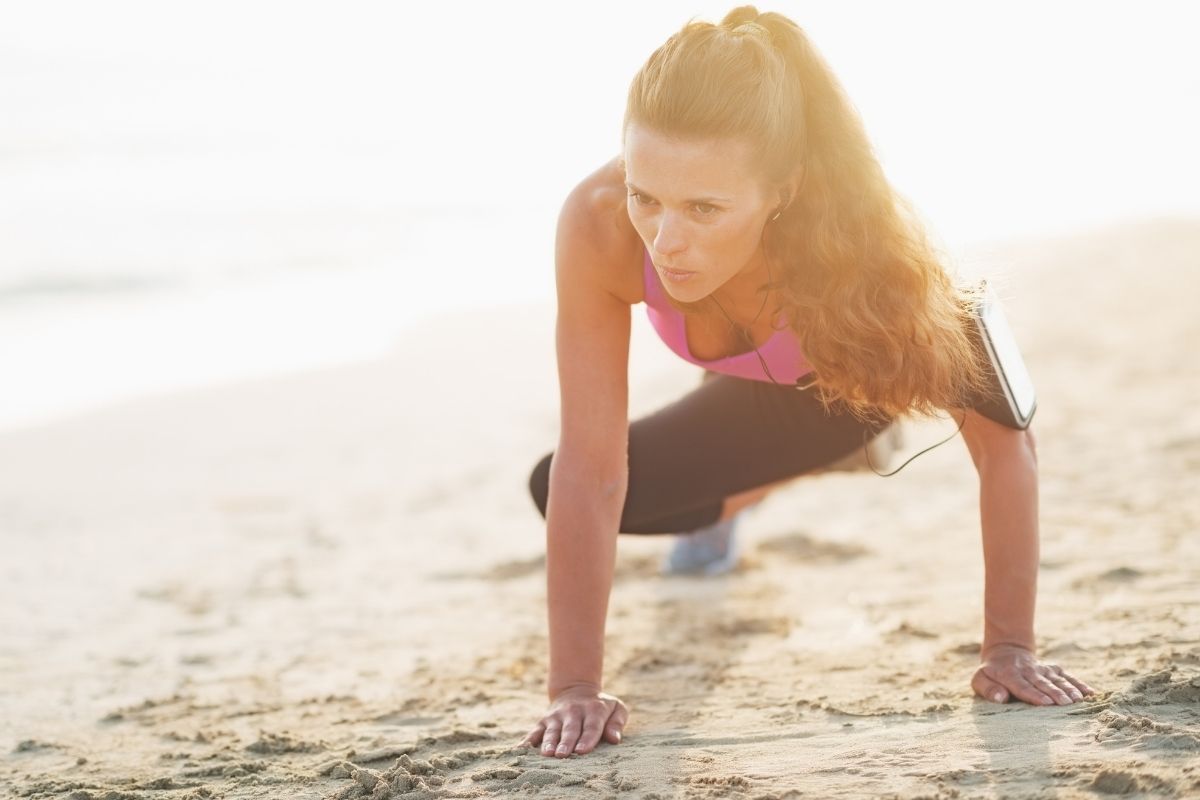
{"x": 676, "y": 275}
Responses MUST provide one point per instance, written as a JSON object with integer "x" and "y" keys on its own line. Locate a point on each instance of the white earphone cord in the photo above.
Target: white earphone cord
{"x": 798, "y": 387}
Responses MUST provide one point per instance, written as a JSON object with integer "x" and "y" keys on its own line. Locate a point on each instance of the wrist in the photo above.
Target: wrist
{"x": 990, "y": 648}
{"x": 1002, "y": 631}
{"x": 555, "y": 689}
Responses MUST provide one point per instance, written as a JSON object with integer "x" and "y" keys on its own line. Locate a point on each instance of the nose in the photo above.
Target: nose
{"x": 670, "y": 237}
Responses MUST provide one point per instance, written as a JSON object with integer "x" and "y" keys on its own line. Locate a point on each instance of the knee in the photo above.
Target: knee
{"x": 539, "y": 483}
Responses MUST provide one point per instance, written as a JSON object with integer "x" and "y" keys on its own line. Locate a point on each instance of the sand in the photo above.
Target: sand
{"x": 331, "y": 585}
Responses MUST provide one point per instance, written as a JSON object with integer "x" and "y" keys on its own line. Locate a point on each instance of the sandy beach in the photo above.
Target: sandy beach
{"x": 331, "y": 584}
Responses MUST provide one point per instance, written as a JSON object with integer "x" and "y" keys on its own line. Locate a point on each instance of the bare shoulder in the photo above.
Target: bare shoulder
{"x": 596, "y": 242}
{"x": 597, "y": 276}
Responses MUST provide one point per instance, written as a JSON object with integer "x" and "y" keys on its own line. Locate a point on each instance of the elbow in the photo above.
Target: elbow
{"x": 994, "y": 445}
{"x": 540, "y": 479}
{"x": 1020, "y": 456}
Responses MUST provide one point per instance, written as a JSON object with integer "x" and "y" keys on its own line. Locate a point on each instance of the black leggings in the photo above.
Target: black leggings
{"x": 726, "y": 436}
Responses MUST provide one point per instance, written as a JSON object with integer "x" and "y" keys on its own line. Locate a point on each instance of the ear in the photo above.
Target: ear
{"x": 791, "y": 188}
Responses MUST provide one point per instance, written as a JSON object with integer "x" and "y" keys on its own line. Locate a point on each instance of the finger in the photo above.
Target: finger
{"x": 570, "y": 736}
{"x": 987, "y": 688}
{"x": 550, "y": 737}
{"x": 1065, "y": 685}
{"x": 1043, "y": 683}
{"x": 1078, "y": 684}
{"x": 534, "y": 737}
{"x": 1026, "y": 691}
{"x": 614, "y": 728}
{"x": 593, "y": 727}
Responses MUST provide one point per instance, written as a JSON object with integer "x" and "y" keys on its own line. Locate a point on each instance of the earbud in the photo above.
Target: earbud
{"x": 787, "y": 201}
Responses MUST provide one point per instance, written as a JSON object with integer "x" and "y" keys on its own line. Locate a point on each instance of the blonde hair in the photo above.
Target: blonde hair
{"x": 876, "y": 314}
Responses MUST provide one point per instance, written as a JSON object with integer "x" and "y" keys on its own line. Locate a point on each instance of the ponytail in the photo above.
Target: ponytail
{"x": 875, "y": 312}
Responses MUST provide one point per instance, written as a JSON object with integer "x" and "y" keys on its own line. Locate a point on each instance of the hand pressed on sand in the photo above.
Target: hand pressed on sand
{"x": 576, "y": 720}
{"x": 1009, "y": 671}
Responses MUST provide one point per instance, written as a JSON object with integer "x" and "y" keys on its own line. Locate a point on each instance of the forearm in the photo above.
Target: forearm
{"x": 1008, "y": 505}
{"x": 582, "y": 519}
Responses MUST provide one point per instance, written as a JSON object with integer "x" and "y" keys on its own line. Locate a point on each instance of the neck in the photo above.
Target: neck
{"x": 742, "y": 296}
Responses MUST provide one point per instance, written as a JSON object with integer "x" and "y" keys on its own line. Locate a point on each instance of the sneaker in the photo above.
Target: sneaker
{"x": 705, "y": 551}
{"x": 883, "y": 450}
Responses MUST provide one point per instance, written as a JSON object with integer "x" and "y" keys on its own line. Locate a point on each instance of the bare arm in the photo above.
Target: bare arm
{"x": 1006, "y": 460}
{"x": 588, "y": 474}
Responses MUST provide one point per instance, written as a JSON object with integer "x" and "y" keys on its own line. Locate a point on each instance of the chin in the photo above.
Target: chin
{"x": 687, "y": 297}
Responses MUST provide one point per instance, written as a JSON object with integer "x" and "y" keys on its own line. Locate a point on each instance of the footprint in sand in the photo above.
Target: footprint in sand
{"x": 802, "y": 547}
{"x": 1124, "y": 782}
{"x": 964, "y": 649}
{"x": 281, "y": 743}
{"x": 498, "y": 573}
{"x": 33, "y": 746}
{"x": 627, "y": 567}
{"x": 753, "y": 626}
{"x": 905, "y": 631}
{"x": 1106, "y": 580}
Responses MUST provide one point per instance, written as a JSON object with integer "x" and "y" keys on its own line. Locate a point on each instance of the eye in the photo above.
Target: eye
{"x": 640, "y": 199}
{"x": 705, "y": 209}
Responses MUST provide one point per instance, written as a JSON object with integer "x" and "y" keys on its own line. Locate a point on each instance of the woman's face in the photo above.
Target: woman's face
{"x": 700, "y": 209}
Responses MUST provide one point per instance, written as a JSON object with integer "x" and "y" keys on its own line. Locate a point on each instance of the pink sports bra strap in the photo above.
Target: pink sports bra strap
{"x": 781, "y": 352}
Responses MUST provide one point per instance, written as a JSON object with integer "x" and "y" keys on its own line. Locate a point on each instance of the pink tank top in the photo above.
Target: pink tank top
{"x": 781, "y": 352}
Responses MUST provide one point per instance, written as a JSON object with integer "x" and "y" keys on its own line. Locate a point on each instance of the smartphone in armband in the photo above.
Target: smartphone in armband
{"x": 1011, "y": 399}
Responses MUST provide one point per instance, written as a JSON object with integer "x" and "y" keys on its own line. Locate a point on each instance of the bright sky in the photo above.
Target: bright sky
{"x": 994, "y": 118}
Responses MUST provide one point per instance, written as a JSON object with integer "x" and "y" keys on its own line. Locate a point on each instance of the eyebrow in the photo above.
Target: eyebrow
{"x": 711, "y": 199}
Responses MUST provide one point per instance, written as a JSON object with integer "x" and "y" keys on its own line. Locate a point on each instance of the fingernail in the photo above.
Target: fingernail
{"x": 618, "y": 737}
{"x": 998, "y": 697}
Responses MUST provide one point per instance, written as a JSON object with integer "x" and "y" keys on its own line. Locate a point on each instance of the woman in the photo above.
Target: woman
{"x": 749, "y": 214}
